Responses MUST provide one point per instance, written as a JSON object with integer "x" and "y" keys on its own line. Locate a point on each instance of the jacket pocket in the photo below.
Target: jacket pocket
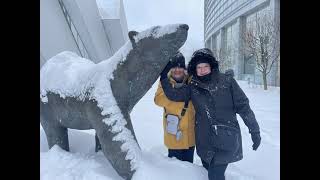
{"x": 225, "y": 137}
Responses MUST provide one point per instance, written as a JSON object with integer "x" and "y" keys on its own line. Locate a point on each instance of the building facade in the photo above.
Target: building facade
{"x": 85, "y": 27}
{"x": 225, "y": 25}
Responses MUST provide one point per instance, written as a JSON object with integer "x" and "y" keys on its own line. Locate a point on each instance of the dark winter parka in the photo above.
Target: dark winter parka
{"x": 216, "y": 103}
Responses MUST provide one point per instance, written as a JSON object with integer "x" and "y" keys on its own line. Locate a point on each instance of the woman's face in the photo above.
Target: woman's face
{"x": 203, "y": 69}
{"x": 177, "y": 73}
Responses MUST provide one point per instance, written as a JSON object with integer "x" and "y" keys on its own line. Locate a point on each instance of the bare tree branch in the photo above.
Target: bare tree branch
{"x": 261, "y": 40}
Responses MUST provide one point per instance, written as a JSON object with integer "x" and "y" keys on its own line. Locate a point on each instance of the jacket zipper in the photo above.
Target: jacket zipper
{"x": 216, "y": 129}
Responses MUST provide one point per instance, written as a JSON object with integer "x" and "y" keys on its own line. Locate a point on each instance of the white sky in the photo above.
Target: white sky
{"x": 142, "y": 14}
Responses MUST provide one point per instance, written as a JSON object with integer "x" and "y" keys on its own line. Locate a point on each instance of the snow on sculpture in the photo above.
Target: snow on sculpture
{"x": 79, "y": 94}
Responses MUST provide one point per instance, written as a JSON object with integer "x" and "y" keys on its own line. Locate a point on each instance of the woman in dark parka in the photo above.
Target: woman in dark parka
{"x": 217, "y": 98}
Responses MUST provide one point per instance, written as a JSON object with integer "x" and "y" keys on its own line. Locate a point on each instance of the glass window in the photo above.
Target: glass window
{"x": 249, "y": 65}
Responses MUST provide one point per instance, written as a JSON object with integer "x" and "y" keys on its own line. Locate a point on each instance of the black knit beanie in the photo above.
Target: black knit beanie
{"x": 178, "y": 60}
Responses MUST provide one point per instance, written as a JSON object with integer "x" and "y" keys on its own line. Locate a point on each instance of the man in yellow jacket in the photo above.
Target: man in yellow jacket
{"x": 178, "y": 117}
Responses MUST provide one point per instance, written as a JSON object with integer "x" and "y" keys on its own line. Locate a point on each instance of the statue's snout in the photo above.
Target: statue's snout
{"x": 185, "y": 26}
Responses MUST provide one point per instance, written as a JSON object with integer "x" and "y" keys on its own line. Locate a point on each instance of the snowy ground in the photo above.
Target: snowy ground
{"x": 83, "y": 163}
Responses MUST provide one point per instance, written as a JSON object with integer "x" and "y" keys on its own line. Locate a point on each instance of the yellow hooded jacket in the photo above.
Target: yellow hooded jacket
{"x": 186, "y": 124}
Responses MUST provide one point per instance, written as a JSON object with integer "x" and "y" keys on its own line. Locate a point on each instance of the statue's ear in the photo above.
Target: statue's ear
{"x": 131, "y": 35}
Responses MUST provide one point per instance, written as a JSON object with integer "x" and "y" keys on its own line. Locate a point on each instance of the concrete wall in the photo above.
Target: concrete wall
{"x": 86, "y": 18}
{"x": 101, "y": 38}
{"x": 55, "y": 35}
{"x": 42, "y": 60}
{"x": 114, "y": 33}
{"x": 123, "y": 22}
{"x": 116, "y": 29}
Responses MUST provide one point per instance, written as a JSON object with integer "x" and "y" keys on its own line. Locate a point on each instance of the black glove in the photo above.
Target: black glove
{"x": 256, "y": 139}
{"x": 165, "y": 71}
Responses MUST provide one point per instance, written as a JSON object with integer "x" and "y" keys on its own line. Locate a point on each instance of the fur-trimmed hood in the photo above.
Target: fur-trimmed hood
{"x": 202, "y": 55}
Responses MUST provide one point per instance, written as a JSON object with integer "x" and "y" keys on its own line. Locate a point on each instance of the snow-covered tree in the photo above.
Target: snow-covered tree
{"x": 262, "y": 43}
{"x": 224, "y": 58}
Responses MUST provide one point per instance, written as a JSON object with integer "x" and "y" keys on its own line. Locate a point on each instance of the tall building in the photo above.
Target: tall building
{"x": 225, "y": 25}
{"x": 94, "y": 29}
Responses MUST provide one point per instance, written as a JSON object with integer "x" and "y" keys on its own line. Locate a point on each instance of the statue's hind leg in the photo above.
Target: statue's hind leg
{"x": 56, "y": 134}
{"x": 98, "y": 145}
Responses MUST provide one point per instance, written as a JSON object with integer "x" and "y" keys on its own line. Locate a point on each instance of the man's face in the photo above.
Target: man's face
{"x": 203, "y": 69}
{"x": 177, "y": 73}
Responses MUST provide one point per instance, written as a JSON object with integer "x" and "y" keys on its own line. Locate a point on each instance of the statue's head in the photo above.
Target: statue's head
{"x": 151, "y": 51}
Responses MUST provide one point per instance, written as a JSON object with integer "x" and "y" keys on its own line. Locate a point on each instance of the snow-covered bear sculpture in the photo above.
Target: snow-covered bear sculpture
{"x": 79, "y": 94}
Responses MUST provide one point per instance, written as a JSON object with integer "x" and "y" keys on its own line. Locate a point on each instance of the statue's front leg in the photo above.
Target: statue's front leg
{"x": 112, "y": 150}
